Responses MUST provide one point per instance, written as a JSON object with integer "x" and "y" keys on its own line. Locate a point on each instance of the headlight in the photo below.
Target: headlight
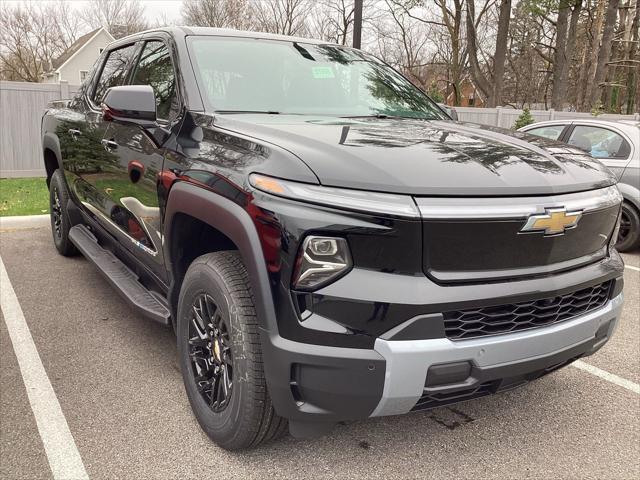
{"x": 359, "y": 200}
{"x": 320, "y": 261}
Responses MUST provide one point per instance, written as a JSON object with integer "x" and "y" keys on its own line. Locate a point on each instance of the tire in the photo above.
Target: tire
{"x": 60, "y": 222}
{"x": 629, "y": 236}
{"x": 216, "y": 287}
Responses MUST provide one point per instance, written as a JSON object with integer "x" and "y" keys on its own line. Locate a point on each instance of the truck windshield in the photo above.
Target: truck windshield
{"x": 242, "y": 75}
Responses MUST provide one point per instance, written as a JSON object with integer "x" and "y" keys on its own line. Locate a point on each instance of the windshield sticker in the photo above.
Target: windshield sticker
{"x": 322, "y": 72}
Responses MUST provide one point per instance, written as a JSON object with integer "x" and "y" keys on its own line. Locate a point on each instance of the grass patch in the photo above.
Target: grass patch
{"x": 23, "y": 196}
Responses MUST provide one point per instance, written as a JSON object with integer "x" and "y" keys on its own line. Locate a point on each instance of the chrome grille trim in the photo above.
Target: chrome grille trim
{"x": 515, "y": 207}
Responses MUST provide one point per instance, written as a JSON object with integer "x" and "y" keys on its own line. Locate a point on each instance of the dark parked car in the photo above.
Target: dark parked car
{"x": 616, "y": 143}
{"x": 325, "y": 241}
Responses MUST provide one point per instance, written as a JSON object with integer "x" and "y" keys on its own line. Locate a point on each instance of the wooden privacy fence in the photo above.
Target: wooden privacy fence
{"x": 22, "y": 105}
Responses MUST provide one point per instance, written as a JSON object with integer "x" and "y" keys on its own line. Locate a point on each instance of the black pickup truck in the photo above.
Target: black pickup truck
{"x": 326, "y": 242}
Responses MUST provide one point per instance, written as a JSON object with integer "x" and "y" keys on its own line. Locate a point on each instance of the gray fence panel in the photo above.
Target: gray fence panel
{"x": 21, "y": 108}
{"x": 22, "y": 105}
{"x": 506, "y": 117}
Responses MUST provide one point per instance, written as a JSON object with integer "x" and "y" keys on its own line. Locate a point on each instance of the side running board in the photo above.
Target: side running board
{"x": 119, "y": 275}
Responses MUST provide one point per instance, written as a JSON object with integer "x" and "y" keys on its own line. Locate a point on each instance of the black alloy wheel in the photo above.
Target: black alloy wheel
{"x": 56, "y": 212}
{"x": 629, "y": 233}
{"x": 210, "y": 353}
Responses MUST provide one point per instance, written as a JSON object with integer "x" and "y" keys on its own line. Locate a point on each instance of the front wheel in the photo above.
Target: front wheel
{"x": 60, "y": 222}
{"x": 220, "y": 354}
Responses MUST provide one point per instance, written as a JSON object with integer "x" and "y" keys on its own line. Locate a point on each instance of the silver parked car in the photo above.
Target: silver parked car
{"x": 617, "y": 144}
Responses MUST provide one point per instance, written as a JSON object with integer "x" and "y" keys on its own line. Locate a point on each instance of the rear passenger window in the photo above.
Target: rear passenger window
{"x": 551, "y": 132}
{"x": 156, "y": 69}
{"x": 113, "y": 72}
{"x": 599, "y": 142}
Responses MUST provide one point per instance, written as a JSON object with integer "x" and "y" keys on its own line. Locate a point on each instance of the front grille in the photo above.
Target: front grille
{"x": 480, "y": 322}
{"x": 479, "y": 250}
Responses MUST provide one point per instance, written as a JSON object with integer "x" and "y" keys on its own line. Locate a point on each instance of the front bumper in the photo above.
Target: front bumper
{"x": 497, "y": 358}
{"x": 317, "y": 383}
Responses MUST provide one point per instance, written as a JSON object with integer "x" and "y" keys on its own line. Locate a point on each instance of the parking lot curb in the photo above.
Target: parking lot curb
{"x": 24, "y": 221}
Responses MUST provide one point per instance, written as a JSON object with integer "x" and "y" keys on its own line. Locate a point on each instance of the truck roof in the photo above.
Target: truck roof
{"x": 181, "y": 31}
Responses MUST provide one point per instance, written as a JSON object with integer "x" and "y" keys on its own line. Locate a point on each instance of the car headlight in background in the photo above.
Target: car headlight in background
{"x": 320, "y": 261}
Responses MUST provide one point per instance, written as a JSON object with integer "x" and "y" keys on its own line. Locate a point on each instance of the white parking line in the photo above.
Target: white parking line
{"x": 631, "y": 267}
{"x": 609, "y": 377}
{"x": 62, "y": 453}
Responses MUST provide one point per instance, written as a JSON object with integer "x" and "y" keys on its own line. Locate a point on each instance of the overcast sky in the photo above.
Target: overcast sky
{"x": 156, "y": 8}
{"x": 153, "y": 8}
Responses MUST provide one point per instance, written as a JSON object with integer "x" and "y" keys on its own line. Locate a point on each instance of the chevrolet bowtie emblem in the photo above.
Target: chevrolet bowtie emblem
{"x": 553, "y": 222}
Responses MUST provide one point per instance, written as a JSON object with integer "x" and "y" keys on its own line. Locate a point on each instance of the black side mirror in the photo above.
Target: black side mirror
{"x": 130, "y": 104}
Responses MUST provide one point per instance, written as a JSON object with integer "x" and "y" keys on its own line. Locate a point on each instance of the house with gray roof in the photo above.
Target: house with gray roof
{"x": 75, "y": 63}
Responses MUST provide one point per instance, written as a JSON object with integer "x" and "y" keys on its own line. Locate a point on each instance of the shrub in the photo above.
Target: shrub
{"x": 435, "y": 94}
{"x": 524, "y": 119}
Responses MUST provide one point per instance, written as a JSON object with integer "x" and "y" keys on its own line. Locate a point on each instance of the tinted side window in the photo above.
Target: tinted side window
{"x": 551, "y": 132}
{"x": 156, "y": 69}
{"x": 599, "y": 142}
{"x": 113, "y": 72}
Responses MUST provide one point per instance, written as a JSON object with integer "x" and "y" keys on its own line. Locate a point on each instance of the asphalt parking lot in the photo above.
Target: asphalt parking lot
{"x": 117, "y": 382}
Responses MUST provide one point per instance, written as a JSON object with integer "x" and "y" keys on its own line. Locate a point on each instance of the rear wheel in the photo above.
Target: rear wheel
{"x": 220, "y": 354}
{"x": 629, "y": 235}
{"x": 60, "y": 223}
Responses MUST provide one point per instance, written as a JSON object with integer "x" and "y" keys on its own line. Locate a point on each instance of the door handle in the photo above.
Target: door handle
{"x": 136, "y": 171}
{"x": 74, "y": 133}
{"x": 109, "y": 145}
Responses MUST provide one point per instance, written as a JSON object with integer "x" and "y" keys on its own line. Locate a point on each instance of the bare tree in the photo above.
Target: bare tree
{"x": 633, "y": 70}
{"x": 403, "y": 42}
{"x": 31, "y": 36}
{"x": 500, "y": 55}
{"x": 526, "y": 67}
{"x": 287, "y": 17}
{"x": 120, "y": 17}
{"x": 446, "y": 18}
{"x": 489, "y": 83}
{"x": 566, "y": 31}
{"x": 590, "y": 59}
{"x": 604, "y": 52}
{"x": 332, "y": 20}
{"x": 217, "y": 13}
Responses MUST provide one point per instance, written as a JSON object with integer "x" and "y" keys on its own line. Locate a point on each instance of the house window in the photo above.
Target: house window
{"x": 472, "y": 100}
{"x": 83, "y": 75}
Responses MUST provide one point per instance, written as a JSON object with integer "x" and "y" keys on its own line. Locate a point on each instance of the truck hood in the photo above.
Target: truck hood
{"x": 421, "y": 157}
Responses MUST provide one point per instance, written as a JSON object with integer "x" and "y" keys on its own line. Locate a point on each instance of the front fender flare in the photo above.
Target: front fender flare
{"x": 51, "y": 142}
{"x": 233, "y": 221}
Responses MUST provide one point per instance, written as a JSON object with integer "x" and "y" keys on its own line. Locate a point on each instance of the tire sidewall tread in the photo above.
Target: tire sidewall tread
{"x": 249, "y": 419}
{"x": 63, "y": 243}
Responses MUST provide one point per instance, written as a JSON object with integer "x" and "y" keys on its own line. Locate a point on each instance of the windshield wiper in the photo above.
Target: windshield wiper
{"x": 374, "y": 115}
{"x": 269, "y": 112}
{"x": 385, "y": 115}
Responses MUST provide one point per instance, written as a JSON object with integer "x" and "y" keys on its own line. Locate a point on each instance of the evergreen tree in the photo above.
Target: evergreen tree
{"x": 524, "y": 119}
